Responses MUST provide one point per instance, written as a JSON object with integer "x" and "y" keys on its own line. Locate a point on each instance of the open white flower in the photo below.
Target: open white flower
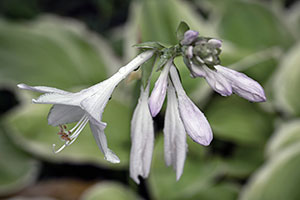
{"x": 142, "y": 138}
{"x": 84, "y": 106}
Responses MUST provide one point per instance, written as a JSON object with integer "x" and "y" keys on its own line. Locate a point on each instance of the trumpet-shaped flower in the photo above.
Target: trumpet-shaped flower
{"x": 84, "y": 106}
{"x": 159, "y": 91}
{"x": 194, "y": 121}
{"x": 142, "y": 138}
{"x": 175, "y": 146}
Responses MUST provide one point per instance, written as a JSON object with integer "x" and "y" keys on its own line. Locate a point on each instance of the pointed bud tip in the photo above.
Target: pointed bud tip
{"x": 153, "y": 107}
{"x": 215, "y": 42}
{"x": 22, "y": 86}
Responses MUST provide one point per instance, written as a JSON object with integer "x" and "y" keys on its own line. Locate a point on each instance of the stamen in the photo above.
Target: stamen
{"x": 69, "y": 136}
{"x": 60, "y": 149}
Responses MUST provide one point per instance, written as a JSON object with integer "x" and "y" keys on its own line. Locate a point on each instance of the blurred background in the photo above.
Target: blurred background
{"x": 255, "y": 154}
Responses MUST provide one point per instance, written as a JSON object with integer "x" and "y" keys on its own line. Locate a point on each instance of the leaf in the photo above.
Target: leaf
{"x": 181, "y": 29}
{"x": 286, "y": 135}
{"x": 286, "y": 83}
{"x": 238, "y": 120}
{"x": 278, "y": 179}
{"x": 108, "y": 191}
{"x": 253, "y": 26}
{"x": 197, "y": 177}
{"x": 149, "y": 45}
{"x": 54, "y": 52}
{"x": 30, "y": 129}
{"x": 17, "y": 169}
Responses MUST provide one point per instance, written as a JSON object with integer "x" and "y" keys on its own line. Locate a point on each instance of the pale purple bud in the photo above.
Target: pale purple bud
{"x": 215, "y": 80}
{"x": 175, "y": 146}
{"x": 189, "y": 52}
{"x": 159, "y": 91}
{"x": 215, "y": 42}
{"x": 142, "y": 138}
{"x": 189, "y": 37}
{"x": 195, "y": 123}
{"x": 242, "y": 85}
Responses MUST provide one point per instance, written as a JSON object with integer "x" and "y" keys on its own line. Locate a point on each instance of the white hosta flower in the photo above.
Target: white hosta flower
{"x": 195, "y": 123}
{"x": 175, "y": 145}
{"x": 142, "y": 138}
{"x": 242, "y": 85}
{"x": 159, "y": 91}
{"x": 84, "y": 106}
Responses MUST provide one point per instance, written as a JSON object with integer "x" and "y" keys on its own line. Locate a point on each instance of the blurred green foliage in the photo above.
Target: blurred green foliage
{"x": 255, "y": 153}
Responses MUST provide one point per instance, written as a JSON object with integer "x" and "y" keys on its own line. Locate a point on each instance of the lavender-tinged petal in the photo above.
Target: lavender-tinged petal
{"x": 62, "y": 114}
{"x": 175, "y": 145}
{"x": 142, "y": 139}
{"x": 195, "y": 123}
{"x": 215, "y": 80}
{"x": 159, "y": 91}
{"x": 41, "y": 89}
{"x": 189, "y": 37}
{"x": 99, "y": 135}
{"x": 242, "y": 85}
{"x": 215, "y": 42}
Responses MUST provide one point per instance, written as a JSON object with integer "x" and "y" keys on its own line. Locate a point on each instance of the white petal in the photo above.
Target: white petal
{"x": 175, "y": 145}
{"x": 99, "y": 135}
{"x": 62, "y": 114}
{"x": 95, "y": 103}
{"x": 195, "y": 123}
{"x": 142, "y": 139}
{"x": 72, "y": 99}
{"x": 242, "y": 85}
{"x": 42, "y": 89}
{"x": 159, "y": 91}
{"x": 99, "y": 94}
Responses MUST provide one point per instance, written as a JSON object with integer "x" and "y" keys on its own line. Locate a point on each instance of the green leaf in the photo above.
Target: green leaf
{"x": 17, "y": 169}
{"x": 108, "y": 191}
{"x": 243, "y": 161}
{"x": 278, "y": 179}
{"x": 149, "y": 45}
{"x": 54, "y": 52}
{"x": 181, "y": 29}
{"x": 235, "y": 119}
{"x": 197, "y": 177}
{"x": 287, "y": 81}
{"x": 286, "y": 135}
{"x": 147, "y": 69}
{"x": 30, "y": 129}
{"x": 253, "y": 26}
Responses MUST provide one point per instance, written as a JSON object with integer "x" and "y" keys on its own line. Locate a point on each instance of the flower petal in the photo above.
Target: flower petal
{"x": 175, "y": 145}
{"x": 42, "y": 89}
{"x": 159, "y": 91}
{"x": 99, "y": 135}
{"x": 72, "y": 99}
{"x": 214, "y": 79}
{"x": 189, "y": 37}
{"x": 195, "y": 123}
{"x": 242, "y": 85}
{"x": 98, "y": 95}
{"x": 142, "y": 138}
{"x": 64, "y": 114}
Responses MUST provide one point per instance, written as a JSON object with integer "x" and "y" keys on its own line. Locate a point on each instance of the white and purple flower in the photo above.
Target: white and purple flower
{"x": 84, "y": 106}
